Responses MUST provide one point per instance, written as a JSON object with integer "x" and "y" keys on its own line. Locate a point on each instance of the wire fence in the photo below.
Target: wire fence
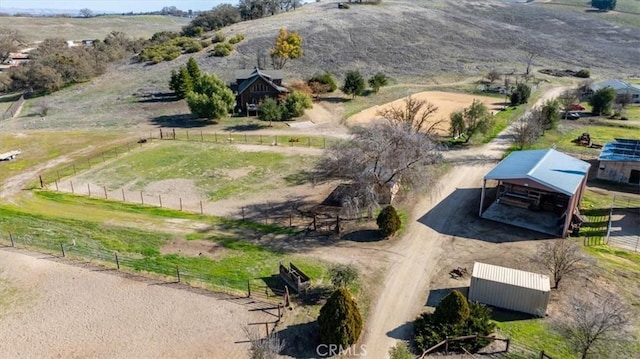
{"x": 13, "y": 109}
{"x": 145, "y": 266}
{"x": 623, "y": 225}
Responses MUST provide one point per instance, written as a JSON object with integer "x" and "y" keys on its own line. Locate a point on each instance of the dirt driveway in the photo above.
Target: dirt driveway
{"x": 423, "y": 251}
{"x": 55, "y": 310}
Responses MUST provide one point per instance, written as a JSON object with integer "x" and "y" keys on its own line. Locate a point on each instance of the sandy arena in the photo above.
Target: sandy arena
{"x": 447, "y": 102}
{"x": 51, "y": 309}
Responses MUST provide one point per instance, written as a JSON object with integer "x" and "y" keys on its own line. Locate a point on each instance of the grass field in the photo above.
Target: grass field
{"x": 39, "y": 147}
{"x": 240, "y": 259}
{"x": 31, "y": 28}
{"x": 538, "y": 335}
{"x": 219, "y": 171}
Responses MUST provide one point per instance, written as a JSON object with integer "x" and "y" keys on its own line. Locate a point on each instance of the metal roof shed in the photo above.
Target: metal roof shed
{"x": 620, "y": 161}
{"x": 510, "y": 288}
{"x": 538, "y": 190}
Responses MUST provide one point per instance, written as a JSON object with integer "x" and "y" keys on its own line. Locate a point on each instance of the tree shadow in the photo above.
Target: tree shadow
{"x": 300, "y": 340}
{"x": 402, "y": 332}
{"x": 181, "y": 121}
{"x": 246, "y": 127}
{"x": 364, "y": 236}
{"x": 335, "y": 99}
{"x": 317, "y": 295}
{"x": 158, "y": 97}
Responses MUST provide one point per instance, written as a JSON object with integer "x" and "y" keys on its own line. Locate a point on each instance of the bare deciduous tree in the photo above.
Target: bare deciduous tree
{"x": 531, "y": 55}
{"x": 567, "y": 99}
{"x": 526, "y": 131}
{"x": 86, "y": 12}
{"x": 263, "y": 348}
{"x": 560, "y": 257}
{"x": 379, "y": 157}
{"x": 624, "y": 99}
{"x": 596, "y": 322}
{"x": 415, "y": 114}
{"x": 9, "y": 42}
{"x": 493, "y": 76}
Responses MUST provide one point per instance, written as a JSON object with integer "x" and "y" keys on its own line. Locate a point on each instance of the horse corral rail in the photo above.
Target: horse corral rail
{"x": 295, "y": 278}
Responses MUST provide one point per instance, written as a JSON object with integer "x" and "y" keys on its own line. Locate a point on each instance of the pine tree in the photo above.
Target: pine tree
{"x": 193, "y": 68}
{"x": 388, "y": 221}
{"x": 340, "y": 321}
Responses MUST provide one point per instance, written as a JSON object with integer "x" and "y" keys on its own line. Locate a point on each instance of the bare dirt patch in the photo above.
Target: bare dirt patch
{"x": 169, "y": 186}
{"x": 447, "y": 102}
{"x": 193, "y": 248}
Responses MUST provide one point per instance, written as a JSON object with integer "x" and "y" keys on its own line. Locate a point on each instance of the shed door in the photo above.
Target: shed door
{"x": 634, "y": 177}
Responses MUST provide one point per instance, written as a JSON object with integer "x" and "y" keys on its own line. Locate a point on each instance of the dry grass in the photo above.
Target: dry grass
{"x": 38, "y": 28}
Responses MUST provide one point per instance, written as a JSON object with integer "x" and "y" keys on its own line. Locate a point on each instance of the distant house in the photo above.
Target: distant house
{"x": 620, "y": 161}
{"x": 14, "y": 59}
{"x": 253, "y": 86}
{"x": 619, "y": 86}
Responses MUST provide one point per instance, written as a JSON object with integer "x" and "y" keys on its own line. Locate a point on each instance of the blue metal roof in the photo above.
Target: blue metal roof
{"x": 550, "y": 168}
{"x": 623, "y": 150}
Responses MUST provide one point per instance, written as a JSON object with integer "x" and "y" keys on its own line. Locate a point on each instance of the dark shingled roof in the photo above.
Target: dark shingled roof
{"x": 256, "y": 74}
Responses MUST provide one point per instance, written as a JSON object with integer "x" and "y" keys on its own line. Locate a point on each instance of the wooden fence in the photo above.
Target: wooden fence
{"x": 14, "y": 108}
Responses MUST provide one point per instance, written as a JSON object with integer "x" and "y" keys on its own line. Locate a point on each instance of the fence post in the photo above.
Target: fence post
{"x": 215, "y": 137}
{"x": 542, "y": 354}
{"x": 201, "y": 209}
{"x": 160, "y": 198}
{"x": 508, "y": 343}
{"x": 41, "y": 182}
{"x": 187, "y": 135}
{"x": 261, "y": 139}
{"x": 62, "y": 249}
{"x": 141, "y": 198}
{"x": 266, "y": 326}
{"x": 106, "y": 196}
{"x": 181, "y": 203}
{"x": 123, "y": 199}
{"x": 178, "y": 273}
{"x": 248, "y": 289}
{"x": 174, "y": 133}
{"x": 56, "y": 181}
{"x": 275, "y": 140}
{"x": 11, "y": 239}
{"x": 117, "y": 260}
{"x": 201, "y": 137}
{"x": 89, "y": 189}
{"x": 279, "y": 312}
{"x": 72, "y": 191}
{"x": 446, "y": 345}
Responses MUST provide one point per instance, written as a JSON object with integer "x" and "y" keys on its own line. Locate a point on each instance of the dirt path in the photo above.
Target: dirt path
{"x": 406, "y": 284}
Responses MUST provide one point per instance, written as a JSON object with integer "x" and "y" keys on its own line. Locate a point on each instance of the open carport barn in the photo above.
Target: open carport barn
{"x": 510, "y": 289}
{"x": 538, "y": 190}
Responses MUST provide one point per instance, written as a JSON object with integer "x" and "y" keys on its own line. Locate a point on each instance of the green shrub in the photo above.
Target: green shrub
{"x": 340, "y": 321}
{"x": 205, "y": 43}
{"x": 343, "y": 275}
{"x": 169, "y": 50}
{"x": 401, "y": 351}
{"x": 269, "y": 110}
{"x": 222, "y": 49}
{"x": 388, "y": 221}
{"x": 584, "y": 73}
{"x": 236, "y": 39}
{"x": 219, "y": 36}
{"x": 296, "y": 103}
{"x": 521, "y": 94}
{"x": 454, "y": 317}
{"x": 325, "y": 79}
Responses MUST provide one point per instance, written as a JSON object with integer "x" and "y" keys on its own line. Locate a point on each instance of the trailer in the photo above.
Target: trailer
{"x": 8, "y": 156}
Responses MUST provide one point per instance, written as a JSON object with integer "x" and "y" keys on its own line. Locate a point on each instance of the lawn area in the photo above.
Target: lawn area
{"x": 538, "y": 335}
{"x": 632, "y": 112}
{"x": 219, "y": 171}
{"x": 39, "y": 146}
{"x": 140, "y": 249}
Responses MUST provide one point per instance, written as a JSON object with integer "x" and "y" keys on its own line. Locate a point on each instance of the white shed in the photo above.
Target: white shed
{"x": 510, "y": 288}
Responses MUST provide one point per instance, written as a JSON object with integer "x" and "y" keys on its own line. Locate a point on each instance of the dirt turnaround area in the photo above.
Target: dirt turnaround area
{"x": 446, "y": 102}
{"x": 51, "y": 309}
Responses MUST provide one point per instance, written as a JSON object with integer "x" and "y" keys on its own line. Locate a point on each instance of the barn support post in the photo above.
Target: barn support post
{"x": 484, "y": 184}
